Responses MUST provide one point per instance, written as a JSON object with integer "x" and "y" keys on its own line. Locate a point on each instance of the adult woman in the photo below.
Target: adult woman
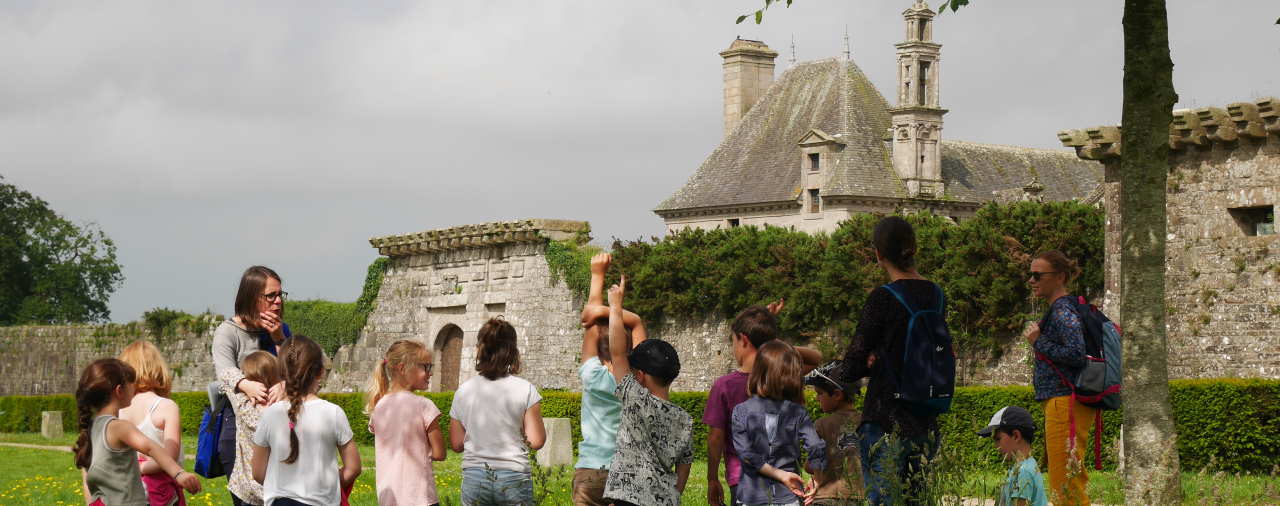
{"x": 1059, "y": 343}
{"x": 895, "y": 443}
{"x": 257, "y": 325}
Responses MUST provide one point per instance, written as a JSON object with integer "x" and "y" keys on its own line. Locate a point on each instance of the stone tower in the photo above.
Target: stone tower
{"x": 748, "y": 73}
{"x": 917, "y": 120}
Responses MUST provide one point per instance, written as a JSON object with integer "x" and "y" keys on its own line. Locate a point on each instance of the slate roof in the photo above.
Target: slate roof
{"x": 759, "y": 161}
{"x": 973, "y": 171}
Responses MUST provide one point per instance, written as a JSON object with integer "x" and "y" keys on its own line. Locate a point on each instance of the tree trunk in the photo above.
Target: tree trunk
{"x": 1151, "y": 457}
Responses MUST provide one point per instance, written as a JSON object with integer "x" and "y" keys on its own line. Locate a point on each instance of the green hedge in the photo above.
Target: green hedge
{"x": 334, "y": 324}
{"x": 981, "y": 263}
{"x": 1231, "y": 425}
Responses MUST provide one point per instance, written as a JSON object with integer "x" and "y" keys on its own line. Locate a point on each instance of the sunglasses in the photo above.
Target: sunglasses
{"x": 1035, "y": 276}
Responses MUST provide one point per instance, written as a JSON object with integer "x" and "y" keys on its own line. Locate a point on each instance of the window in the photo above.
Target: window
{"x": 1255, "y": 220}
{"x": 813, "y": 201}
{"x": 922, "y": 91}
{"x": 921, "y": 24}
{"x": 733, "y": 222}
{"x": 813, "y": 161}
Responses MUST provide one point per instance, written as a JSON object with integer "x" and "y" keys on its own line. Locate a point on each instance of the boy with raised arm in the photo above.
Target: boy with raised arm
{"x": 600, "y": 407}
{"x": 655, "y": 446}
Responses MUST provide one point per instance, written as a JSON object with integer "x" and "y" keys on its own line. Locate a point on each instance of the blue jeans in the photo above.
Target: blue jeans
{"x": 893, "y": 469}
{"x": 496, "y": 487}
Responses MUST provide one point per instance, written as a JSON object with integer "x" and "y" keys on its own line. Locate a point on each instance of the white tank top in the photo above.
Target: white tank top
{"x": 149, "y": 429}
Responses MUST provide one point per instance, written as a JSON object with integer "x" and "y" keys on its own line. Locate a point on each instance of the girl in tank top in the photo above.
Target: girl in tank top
{"x": 107, "y": 450}
{"x": 156, "y": 417}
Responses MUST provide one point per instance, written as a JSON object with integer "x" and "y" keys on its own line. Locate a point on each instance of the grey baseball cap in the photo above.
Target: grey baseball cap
{"x": 1012, "y": 417}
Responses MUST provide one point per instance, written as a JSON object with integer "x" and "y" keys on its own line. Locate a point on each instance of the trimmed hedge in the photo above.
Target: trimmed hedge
{"x": 1231, "y": 425}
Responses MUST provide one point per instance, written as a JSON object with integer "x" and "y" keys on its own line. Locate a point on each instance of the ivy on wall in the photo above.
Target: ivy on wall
{"x": 980, "y": 262}
{"x": 334, "y": 324}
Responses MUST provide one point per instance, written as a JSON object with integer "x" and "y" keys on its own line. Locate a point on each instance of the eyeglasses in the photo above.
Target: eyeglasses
{"x": 275, "y": 295}
{"x": 1035, "y": 276}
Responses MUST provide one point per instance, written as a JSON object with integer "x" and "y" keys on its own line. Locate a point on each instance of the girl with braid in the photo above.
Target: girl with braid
{"x": 107, "y": 452}
{"x": 299, "y": 438}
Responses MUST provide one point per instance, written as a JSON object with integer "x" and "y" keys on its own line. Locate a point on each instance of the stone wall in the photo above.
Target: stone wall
{"x": 41, "y": 360}
{"x": 1222, "y": 278}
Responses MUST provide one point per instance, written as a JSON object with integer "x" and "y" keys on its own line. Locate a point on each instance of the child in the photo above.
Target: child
{"x": 840, "y": 483}
{"x": 753, "y": 327}
{"x": 654, "y": 435}
{"x": 600, "y": 408}
{"x": 495, "y": 419}
{"x": 156, "y": 417}
{"x": 406, "y": 427}
{"x": 1013, "y": 431}
{"x": 308, "y": 431}
{"x": 766, "y": 427}
{"x": 111, "y": 475}
{"x": 261, "y": 367}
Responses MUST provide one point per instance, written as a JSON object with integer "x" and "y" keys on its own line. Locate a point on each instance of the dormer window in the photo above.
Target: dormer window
{"x": 1255, "y": 221}
{"x": 814, "y": 161}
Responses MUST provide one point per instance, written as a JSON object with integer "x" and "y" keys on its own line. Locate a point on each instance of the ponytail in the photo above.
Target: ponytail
{"x": 97, "y": 384}
{"x": 400, "y": 355}
{"x": 303, "y": 364}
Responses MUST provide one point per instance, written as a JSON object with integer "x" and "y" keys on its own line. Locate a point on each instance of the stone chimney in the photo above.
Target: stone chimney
{"x": 748, "y": 72}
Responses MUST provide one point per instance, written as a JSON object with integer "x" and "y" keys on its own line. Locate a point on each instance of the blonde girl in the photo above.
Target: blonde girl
{"x": 156, "y": 417}
{"x": 495, "y": 419}
{"x": 261, "y": 367}
{"x": 406, "y": 427}
{"x": 299, "y": 439}
{"x": 766, "y": 429}
{"x": 106, "y": 451}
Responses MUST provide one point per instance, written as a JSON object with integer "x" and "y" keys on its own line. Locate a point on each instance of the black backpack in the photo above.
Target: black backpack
{"x": 927, "y": 379}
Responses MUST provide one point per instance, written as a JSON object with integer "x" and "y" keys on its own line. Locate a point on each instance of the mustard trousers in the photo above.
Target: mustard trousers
{"x": 1068, "y": 471}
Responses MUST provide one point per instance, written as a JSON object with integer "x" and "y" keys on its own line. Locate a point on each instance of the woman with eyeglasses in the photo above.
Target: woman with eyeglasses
{"x": 257, "y": 325}
{"x": 1058, "y": 341}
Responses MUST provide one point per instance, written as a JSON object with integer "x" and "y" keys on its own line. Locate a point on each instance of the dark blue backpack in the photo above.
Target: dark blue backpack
{"x": 208, "y": 462}
{"x": 928, "y": 375}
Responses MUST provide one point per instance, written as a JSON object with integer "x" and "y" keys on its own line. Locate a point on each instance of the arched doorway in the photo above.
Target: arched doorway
{"x": 448, "y": 347}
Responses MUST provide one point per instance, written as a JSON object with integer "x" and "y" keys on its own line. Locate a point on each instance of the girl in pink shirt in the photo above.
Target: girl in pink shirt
{"x": 405, "y": 426}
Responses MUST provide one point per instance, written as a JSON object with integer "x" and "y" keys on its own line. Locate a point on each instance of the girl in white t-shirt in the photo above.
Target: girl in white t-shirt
{"x": 406, "y": 427}
{"x": 298, "y": 439}
{"x": 495, "y": 419}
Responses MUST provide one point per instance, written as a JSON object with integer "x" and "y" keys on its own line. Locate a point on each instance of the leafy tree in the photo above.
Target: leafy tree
{"x": 51, "y": 270}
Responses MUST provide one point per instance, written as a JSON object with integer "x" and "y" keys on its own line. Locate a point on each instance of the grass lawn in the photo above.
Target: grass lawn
{"x": 45, "y": 477}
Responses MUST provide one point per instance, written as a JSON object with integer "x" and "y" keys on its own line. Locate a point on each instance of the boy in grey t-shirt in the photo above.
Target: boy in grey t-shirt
{"x": 655, "y": 437}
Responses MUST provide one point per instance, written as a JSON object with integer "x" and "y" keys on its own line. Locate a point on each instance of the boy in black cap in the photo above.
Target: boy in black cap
{"x": 1013, "y": 431}
{"x": 655, "y": 437}
{"x": 841, "y": 482}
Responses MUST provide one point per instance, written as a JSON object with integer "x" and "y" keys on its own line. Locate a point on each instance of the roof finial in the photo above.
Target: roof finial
{"x": 846, "y": 44}
{"x": 792, "y": 61}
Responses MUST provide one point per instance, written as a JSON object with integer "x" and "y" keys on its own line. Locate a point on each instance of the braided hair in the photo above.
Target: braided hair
{"x": 97, "y": 384}
{"x": 303, "y": 368}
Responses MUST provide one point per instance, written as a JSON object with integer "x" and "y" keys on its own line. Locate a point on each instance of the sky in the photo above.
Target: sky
{"x": 204, "y": 137}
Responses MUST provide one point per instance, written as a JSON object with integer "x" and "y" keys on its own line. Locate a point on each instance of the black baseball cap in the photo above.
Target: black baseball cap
{"x": 1009, "y": 417}
{"x": 828, "y": 376}
{"x": 656, "y": 358}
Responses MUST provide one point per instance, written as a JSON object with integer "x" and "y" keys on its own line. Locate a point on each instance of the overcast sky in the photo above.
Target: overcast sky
{"x": 206, "y": 137}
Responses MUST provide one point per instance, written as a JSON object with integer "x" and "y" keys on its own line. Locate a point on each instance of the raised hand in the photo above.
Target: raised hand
{"x": 776, "y": 306}
{"x": 617, "y": 291}
{"x": 600, "y": 263}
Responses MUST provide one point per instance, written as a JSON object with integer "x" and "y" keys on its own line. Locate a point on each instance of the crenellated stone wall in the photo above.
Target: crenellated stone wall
{"x": 1222, "y": 278}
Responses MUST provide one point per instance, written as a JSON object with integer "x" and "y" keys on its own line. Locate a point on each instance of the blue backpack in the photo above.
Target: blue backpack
{"x": 208, "y": 461}
{"x": 927, "y": 379}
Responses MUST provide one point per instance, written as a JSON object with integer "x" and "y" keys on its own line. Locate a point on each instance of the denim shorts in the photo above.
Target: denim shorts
{"x": 496, "y": 487}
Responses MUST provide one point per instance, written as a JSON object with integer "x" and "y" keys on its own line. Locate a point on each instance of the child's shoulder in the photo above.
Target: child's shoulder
{"x": 728, "y": 380}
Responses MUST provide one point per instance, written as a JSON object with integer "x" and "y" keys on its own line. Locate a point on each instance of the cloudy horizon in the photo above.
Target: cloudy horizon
{"x": 207, "y": 137}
